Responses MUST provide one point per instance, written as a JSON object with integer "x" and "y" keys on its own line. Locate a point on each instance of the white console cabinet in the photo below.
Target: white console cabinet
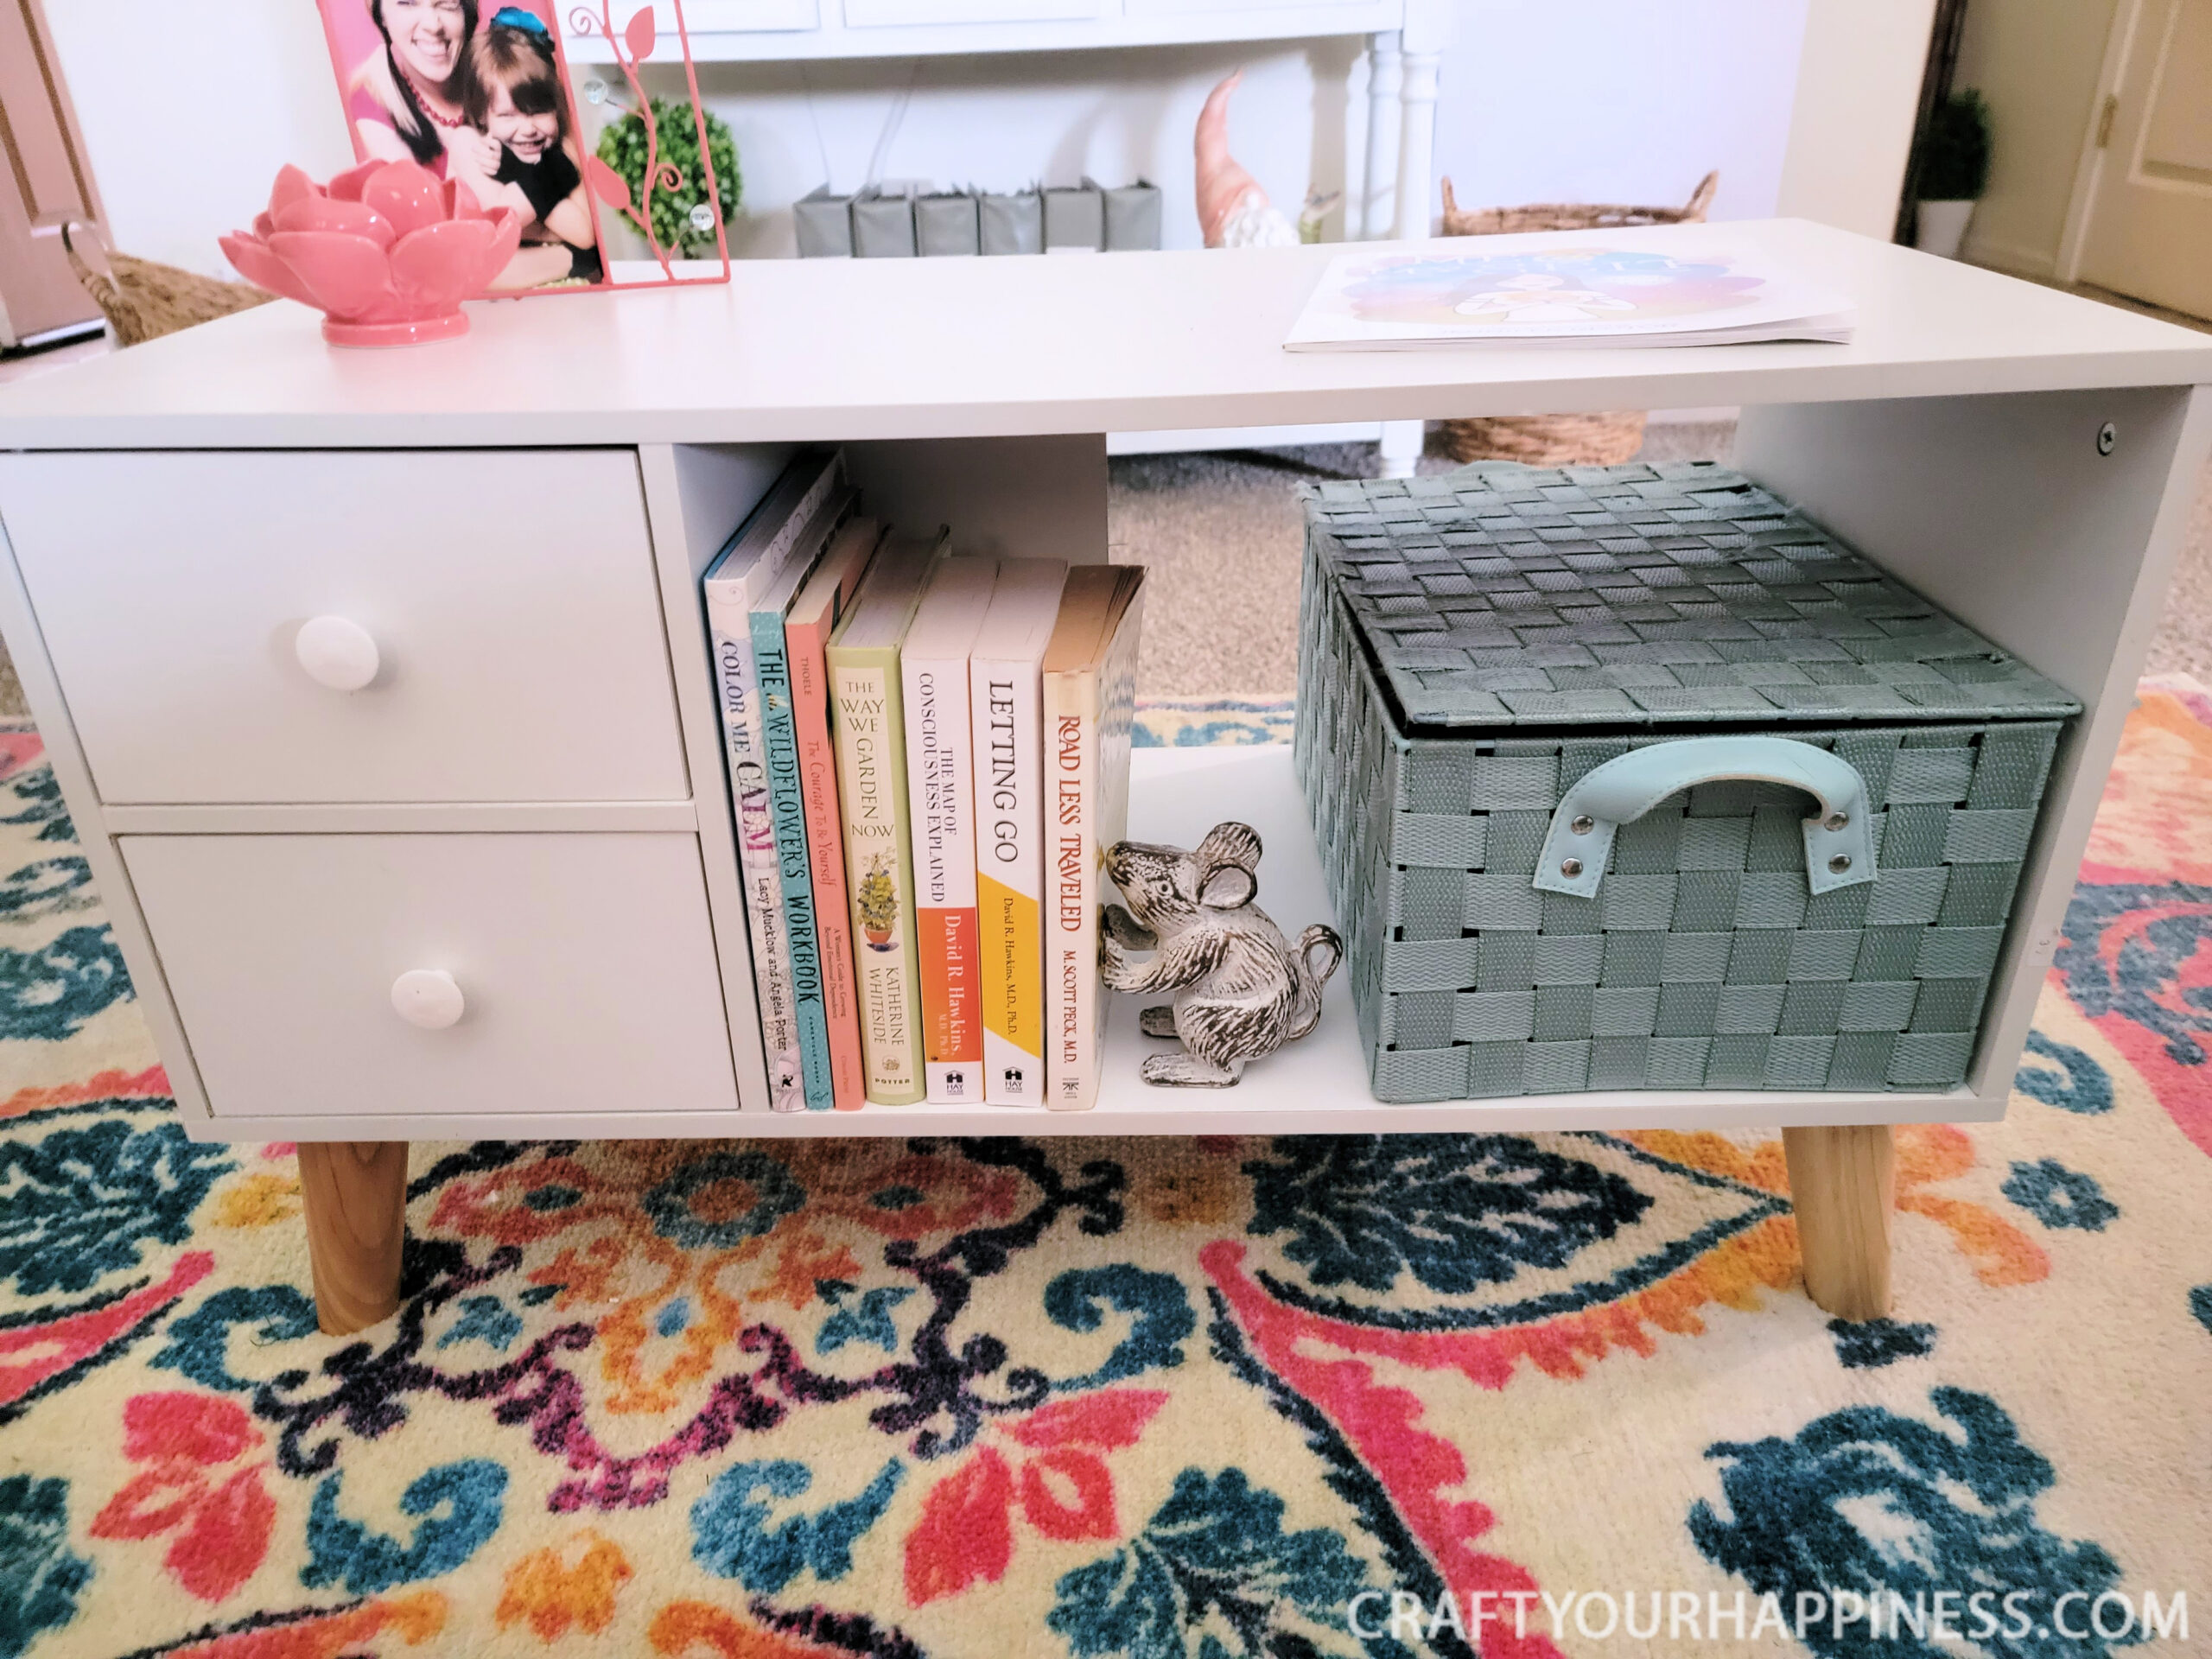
{"x": 495, "y": 760}
{"x": 1405, "y": 49}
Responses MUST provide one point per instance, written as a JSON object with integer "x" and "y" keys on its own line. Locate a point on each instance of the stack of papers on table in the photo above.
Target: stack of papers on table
{"x": 1684, "y": 287}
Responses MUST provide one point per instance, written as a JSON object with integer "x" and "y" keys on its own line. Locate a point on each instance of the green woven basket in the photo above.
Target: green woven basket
{"x": 1475, "y": 647}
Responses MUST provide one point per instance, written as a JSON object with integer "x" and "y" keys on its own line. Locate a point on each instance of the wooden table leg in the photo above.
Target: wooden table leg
{"x": 355, "y": 1192}
{"x": 1843, "y": 1182}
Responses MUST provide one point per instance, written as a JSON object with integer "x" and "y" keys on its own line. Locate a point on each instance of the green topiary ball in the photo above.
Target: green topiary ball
{"x": 622, "y": 147}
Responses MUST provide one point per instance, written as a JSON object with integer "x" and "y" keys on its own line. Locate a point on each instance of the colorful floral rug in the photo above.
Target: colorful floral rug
{"x": 1212, "y": 1398}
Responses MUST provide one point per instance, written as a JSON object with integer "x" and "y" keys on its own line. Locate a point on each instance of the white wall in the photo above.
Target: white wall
{"x": 1619, "y": 100}
{"x": 1858, "y": 91}
{"x": 189, "y": 106}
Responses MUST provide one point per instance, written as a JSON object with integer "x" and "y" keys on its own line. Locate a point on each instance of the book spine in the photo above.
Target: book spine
{"x": 940, "y": 798}
{"x": 787, "y": 816}
{"x": 1003, "y": 698}
{"x": 1071, "y": 991}
{"x": 730, "y": 630}
{"x": 879, "y": 870}
{"x": 825, "y": 851}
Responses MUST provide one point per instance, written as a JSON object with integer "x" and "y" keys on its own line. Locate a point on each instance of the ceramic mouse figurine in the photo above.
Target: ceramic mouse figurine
{"x": 1241, "y": 990}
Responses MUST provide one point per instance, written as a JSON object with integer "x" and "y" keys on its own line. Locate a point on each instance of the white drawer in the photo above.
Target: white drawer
{"x": 509, "y": 595}
{"x": 585, "y": 968}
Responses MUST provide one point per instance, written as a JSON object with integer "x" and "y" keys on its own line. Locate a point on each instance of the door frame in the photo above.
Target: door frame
{"x": 46, "y": 64}
{"x": 2089, "y": 169}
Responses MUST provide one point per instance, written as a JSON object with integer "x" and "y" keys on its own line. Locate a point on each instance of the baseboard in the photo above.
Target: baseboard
{"x": 2010, "y": 257}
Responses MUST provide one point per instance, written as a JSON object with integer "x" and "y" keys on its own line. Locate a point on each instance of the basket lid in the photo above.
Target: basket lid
{"x": 1678, "y": 594}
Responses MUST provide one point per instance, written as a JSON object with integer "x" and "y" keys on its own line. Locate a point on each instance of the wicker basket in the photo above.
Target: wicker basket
{"x": 1601, "y": 440}
{"x": 144, "y": 300}
{"x": 1474, "y": 646}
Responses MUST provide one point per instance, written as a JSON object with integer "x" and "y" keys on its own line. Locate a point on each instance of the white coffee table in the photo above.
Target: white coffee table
{"x": 529, "y": 795}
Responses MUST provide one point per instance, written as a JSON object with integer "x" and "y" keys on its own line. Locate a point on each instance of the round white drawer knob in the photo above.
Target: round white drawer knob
{"x": 428, "y": 997}
{"x": 336, "y": 653}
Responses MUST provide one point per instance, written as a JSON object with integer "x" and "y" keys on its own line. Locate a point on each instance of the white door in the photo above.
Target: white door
{"x": 2150, "y": 229}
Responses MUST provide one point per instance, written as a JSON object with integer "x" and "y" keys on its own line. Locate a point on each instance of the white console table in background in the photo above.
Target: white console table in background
{"x": 1405, "y": 48}
{"x": 530, "y": 796}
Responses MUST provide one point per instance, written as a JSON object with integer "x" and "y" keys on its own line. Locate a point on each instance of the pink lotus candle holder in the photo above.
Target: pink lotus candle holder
{"x": 386, "y": 250}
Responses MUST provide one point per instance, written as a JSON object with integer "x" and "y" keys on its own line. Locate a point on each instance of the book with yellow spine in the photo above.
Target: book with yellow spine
{"x": 870, "y": 736}
{"x": 1006, "y": 704}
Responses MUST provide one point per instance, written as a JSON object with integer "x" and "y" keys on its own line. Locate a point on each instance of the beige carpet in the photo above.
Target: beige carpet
{"x": 1222, "y": 533}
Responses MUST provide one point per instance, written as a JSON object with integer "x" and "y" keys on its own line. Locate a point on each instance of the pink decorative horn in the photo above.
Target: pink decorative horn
{"x": 1223, "y": 183}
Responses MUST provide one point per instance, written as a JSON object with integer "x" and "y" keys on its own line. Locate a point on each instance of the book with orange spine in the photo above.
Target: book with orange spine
{"x": 821, "y": 605}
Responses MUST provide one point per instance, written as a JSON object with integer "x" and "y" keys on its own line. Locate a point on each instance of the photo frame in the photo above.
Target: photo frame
{"x": 484, "y": 92}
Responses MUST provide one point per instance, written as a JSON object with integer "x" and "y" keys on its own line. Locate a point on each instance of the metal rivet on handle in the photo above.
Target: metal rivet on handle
{"x": 1835, "y": 821}
{"x": 1840, "y": 863}
{"x": 1570, "y": 867}
{"x": 1584, "y": 825}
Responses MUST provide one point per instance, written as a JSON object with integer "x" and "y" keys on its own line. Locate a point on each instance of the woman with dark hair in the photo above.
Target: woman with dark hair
{"x": 406, "y": 99}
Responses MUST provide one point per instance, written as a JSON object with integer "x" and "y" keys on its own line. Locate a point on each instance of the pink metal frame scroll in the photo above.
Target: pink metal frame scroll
{"x": 631, "y": 45}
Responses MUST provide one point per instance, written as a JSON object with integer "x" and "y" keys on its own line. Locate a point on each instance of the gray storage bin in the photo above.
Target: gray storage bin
{"x": 883, "y": 226}
{"x": 1075, "y": 221}
{"x": 1475, "y": 646}
{"x": 1132, "y": 214}
{"x": 825, "y": 224}
{"x": 945, "y": 225}
{"x": 1011, "y": 224}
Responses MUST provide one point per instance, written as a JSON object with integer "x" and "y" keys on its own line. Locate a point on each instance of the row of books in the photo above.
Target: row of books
{"x": 926, "y": 756}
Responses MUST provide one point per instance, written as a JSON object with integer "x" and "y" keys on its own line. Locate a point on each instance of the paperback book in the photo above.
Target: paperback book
{"x": 821, "y": 605}
{"x": 941, "y": 799}
{"x": 1006, "y": 712}
{"x": 870, "y": 738}
{"x": 1090, "y": 680}
{"x": 1670, "y": 285}
{"x": 796, "y": 516}
{"x": 787, "y": 807}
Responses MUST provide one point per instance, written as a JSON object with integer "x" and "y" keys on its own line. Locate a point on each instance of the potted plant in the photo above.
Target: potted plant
{"x": 682, "y": 220}
{"x": 1953, "y": 171}
{"x": 879, "y": 904}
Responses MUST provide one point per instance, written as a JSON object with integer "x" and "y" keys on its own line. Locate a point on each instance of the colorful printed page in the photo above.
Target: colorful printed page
{"x": 1584, "y": 288}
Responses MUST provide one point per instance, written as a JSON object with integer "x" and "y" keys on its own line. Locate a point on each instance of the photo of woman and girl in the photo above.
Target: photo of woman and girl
{"x": 481, "y": 105}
